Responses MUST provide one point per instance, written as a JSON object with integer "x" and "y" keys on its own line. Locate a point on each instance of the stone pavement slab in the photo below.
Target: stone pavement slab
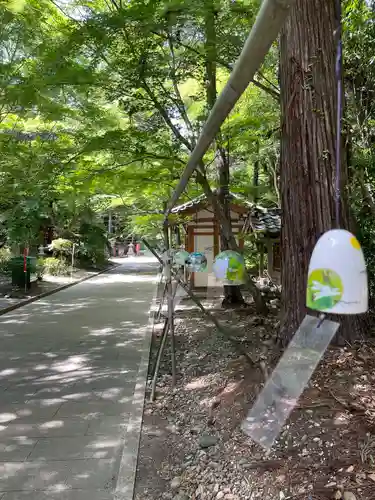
{"x": 92, "y": 409}
{"x": 108, "y": 425}
{"x": 52, "y": 428}
{"x": 30, "y": 411}
{"x": 72, "y": 369}
{"x": 16, "y": 449}
{"x": 92, "y": 474}
{"x": 95, "y": 446}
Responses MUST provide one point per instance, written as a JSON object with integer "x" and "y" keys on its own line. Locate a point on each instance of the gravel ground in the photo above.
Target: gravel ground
{"x": 192, "y": 446}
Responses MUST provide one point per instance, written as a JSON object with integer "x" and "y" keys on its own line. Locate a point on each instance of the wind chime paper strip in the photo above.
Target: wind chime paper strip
{"x": 283, "y": 389}
{"x": 213, "y": 292}
{"x": 178, "y": 294}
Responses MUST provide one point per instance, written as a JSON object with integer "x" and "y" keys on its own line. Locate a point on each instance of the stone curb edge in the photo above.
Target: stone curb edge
{"x": 54, "y": 290}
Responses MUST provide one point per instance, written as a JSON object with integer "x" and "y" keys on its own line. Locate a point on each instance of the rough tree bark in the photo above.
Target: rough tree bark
{"x": 308, "y": 121}
{"x": 232, "y": 294}
{"x": 256, "y": 173}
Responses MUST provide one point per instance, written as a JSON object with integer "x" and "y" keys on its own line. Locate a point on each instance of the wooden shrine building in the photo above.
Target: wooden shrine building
{"x": 201, "y": 232}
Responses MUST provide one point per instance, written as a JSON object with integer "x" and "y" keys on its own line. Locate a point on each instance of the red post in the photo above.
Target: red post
{"x": 25, "y": 254}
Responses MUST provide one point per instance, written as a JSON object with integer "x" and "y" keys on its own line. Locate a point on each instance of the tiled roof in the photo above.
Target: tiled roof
{"x": 202, "y": 198}
{"x": 258, "y": 220}
{"x": 191, "y": 203}
{"x": 263, "y": 220}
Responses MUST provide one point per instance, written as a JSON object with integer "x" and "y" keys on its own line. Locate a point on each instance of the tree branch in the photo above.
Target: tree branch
{"x": 179, "y": 102}
{"x": 273, "y": 93}
{"x": 63, "y": 12}
{"x": 268, "y": 81}
{"x": 166, "y": 117}
{"x": 156, "y": 102}
{"x": 134, "y": 160}
{"x": 366, "y": 192}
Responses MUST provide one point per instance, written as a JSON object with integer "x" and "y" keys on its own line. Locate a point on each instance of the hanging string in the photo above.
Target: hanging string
{"x": 339, "y": 110}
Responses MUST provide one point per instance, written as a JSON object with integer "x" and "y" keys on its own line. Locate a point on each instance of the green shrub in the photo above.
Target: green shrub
{"x": 92, "y": 247}
{"x": 5, "y": 257}
{"x": 40, "y": 267}
{"x": 62, "y": 247}
{"x": 55, "y": 267}
{"x": 91, "y": 257}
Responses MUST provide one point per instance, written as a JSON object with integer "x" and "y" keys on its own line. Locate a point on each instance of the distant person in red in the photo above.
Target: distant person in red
{"x": 137, "y": 248}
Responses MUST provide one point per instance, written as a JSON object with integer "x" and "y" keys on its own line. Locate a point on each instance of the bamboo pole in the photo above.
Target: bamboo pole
{"x": 158, "y": 359}
{"x": 264, "y": 32}
{"x": 160, "y": 308}
{"x": 168, "y": 279}
{"x": 164, "y": 335}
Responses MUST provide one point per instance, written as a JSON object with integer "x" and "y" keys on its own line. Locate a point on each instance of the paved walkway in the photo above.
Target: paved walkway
{"x": 72, "y": 374}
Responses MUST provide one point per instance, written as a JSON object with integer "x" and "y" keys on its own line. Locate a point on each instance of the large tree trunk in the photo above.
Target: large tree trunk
{"x": 256, "y": 174}
{"x": 308, "y": 120}
{"x": 225, "y": 224}
{"x": 232, "y": 294}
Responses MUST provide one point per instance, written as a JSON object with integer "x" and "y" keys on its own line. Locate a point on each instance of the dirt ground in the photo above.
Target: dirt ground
{"x": 192, "y": 446}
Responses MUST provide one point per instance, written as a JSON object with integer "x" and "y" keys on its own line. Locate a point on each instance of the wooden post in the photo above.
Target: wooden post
{"x": 269, "y": 257}
{"x": 170, "y": 236}
{"x": 110, "y": 225}
{"x": 216, "y": 239}
{"x": 178, "y": 236}
{"x": 261, "y": 258}
{"x": 190, "y": 249}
